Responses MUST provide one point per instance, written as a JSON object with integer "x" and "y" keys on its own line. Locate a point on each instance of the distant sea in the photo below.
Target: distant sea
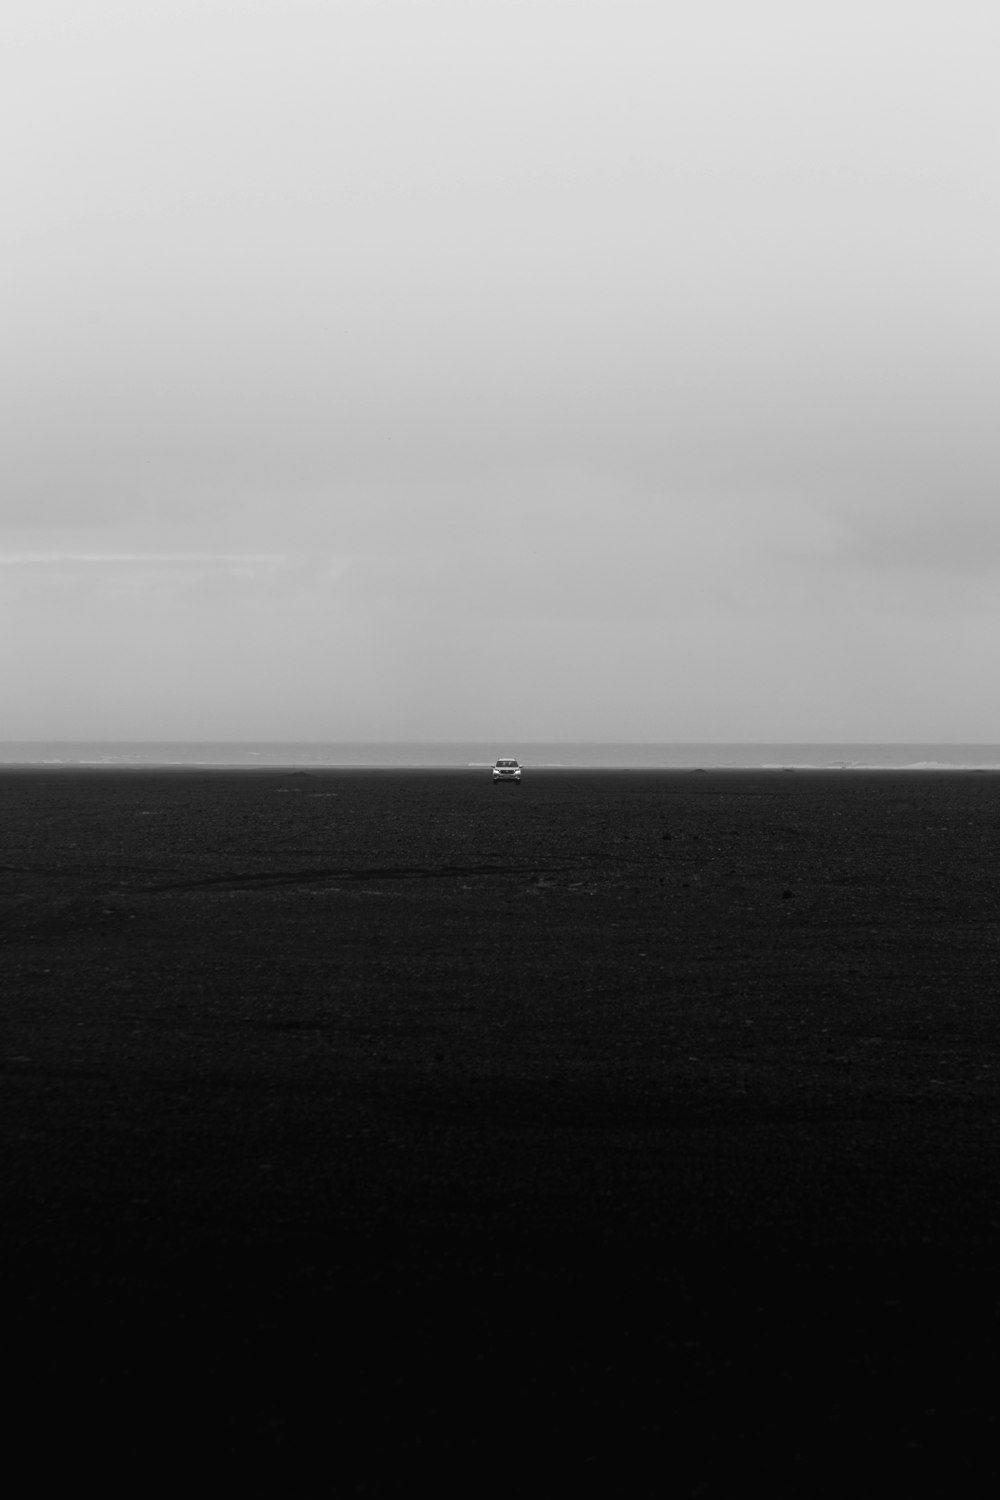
{"x": 252, "y": 754}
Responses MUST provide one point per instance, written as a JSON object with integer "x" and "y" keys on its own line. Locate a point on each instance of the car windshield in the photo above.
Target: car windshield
{"x": 506, "y": 762}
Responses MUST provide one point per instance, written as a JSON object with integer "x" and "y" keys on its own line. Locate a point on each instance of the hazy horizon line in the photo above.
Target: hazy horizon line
{"x": 478, "y": 740}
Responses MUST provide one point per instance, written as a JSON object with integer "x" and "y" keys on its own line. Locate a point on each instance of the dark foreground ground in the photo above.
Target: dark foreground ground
{"x": 634, "y": 1127}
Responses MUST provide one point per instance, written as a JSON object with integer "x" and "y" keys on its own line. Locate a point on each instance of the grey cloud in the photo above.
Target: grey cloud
{"x": 624, "y": 333}
{"x": 946, "y": 534}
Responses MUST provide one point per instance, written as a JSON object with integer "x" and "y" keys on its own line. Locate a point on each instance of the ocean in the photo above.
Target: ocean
{"x": 608, "y": 755}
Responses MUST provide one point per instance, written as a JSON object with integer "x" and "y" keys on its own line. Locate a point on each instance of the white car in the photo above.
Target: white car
{"x": 507, "y": 770}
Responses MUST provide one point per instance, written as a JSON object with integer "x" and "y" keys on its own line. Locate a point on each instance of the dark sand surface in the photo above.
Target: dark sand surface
{"x": 640, "y": 1126}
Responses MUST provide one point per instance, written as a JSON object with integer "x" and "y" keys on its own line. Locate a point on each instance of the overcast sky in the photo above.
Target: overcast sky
{"x": 425, "y": 369}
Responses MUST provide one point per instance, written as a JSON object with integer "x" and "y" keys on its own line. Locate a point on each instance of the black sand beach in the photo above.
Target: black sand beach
{"x": 639, "y": 1127}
